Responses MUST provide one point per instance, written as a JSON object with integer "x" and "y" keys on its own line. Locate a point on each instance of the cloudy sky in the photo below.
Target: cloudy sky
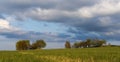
{"x": 56, "y": 21}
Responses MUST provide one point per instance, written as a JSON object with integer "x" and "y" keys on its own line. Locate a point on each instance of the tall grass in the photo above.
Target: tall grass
{"x": 103, "y": 54}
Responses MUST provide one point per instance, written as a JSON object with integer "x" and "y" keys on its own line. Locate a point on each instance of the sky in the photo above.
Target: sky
{"x": 56, "y": 21}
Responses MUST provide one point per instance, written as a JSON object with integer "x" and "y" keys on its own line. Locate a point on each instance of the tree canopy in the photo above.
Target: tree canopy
{"x": 89, "y": 43}
{"x": 25, "y": 45}
{"x": 67, "y": 44}
{"x": 22, "y": 45}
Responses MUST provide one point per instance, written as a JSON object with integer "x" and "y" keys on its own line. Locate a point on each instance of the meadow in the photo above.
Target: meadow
{"x": 101, "y": 54}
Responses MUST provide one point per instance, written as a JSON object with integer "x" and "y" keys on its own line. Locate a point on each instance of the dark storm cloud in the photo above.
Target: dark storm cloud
{"x": 21, "y": 5}
{"x": 90, "y": 18}
{"x": 94, "y": 28}
{"x": 20, "y": 34}
{"x": 96, "y": 25}
{"x": 31, "y": 35}
{"x": 83, "y": 34}
{"x": 11, "y": 6}
{"x": 63, "y": 35}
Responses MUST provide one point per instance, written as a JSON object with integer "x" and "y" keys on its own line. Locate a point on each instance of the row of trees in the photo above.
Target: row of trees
{"x": 38, "y": 44}
{"x": 25, "y": 45}
{"x": 87, "y": 43}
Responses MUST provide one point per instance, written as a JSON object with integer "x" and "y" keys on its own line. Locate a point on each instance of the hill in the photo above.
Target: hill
{"x": 101, "y": 54}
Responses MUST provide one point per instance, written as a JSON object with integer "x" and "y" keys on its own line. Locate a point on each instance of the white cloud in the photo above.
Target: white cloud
{"x": 105, "y": 7}
{"x": 4, "y": 24}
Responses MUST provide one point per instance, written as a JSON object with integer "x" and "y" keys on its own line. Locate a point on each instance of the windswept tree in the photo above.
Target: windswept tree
{"x": 98, "y": 42}
{"x": 89, "y": 43}
{"x": 23, "y": 45}
{"x": 67, "y": 44}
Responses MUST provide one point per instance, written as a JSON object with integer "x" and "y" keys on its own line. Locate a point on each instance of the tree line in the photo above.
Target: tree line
{"x": 25, "y": 45}
{"x": 38, "y": 44}
{"x": 86, "y": 44}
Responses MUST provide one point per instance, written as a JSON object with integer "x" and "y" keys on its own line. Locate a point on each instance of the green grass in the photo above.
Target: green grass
{"x": 103, "y": 54}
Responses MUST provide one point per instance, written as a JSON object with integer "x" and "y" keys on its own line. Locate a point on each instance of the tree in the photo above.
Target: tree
{"x": 88, "y": 42}
{"x": 81, "y": 44}
{"x": 84, "y": 44}
{"x": 41, "y": 43}
{"x": 33, "y": 46}
{"x": 67, "y": 44}
{"x": 104, "y": 42}
{"x": 76, "y": 45}
{"x": 22, "y": 45}
{"x": 38, "y": 44}
{"x": 98, "y": 42}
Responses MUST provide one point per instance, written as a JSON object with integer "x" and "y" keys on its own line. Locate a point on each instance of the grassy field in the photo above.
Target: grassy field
{"x": 103, "y": 54}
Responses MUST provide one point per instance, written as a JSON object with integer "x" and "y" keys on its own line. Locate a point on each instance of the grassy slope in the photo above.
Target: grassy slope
{"x": 103, "y": 54}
